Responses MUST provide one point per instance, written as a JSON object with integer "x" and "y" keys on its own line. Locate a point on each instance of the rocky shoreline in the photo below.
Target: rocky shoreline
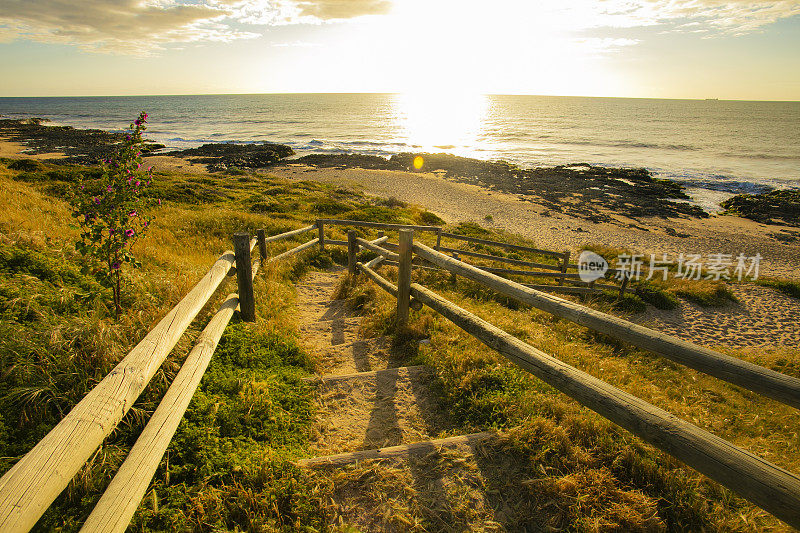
{"x": 79, "y": 146}
{"x": 584, "y": 191}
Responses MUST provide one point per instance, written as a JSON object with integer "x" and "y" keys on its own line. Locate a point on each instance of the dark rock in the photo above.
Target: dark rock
{"x": 80, "y": 146}
{"x": 225, "y": 156}
{"x": 774, "y": 207}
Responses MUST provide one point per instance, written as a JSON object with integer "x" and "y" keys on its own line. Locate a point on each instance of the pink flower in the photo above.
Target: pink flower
{"x": 96, "y": 200}
{"x": 129, "y": 233}
{"x": 115, "y": 265}
{"x": 109, "y": 188}
{"x": 159, "y": 201}
{"x": 133, "y": 214}
{"x": 110, "y": 232}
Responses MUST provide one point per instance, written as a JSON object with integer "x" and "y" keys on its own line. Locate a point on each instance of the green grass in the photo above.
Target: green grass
{"x": 786, "y": 286}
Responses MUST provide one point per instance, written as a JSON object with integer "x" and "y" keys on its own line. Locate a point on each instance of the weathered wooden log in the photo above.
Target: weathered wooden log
{"x": 564, "y": 289}
{"x": 32, "y": 484}
{"x": 404, "y": 276}
{"x": 288, "y": 234}
{"x": 261, "y": 235}
{"x": 321, "y": 234}
{"x": 352, "y": 252}
{"x": 397, "y": 452}
{"x": 500, "y": 259}
{"x": 564, "y": 265}
{"x": 377, "y": 225}
{"x": 530, "y": 273}
{"x": 505, "y": 245}
{"x": 288, "y": 253}
{"x": 770, "y": 487}
{"x": 756, "y": 378}
{"x": 377, "y": 249}
{"x": 122, "y": 496}
{"x": 384, "y": 283}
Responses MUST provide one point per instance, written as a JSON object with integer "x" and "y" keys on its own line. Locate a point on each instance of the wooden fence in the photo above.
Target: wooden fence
{"x": 32, "y": 484}
{"x": 564, "y": 273}
{"x": 770, "y": 487}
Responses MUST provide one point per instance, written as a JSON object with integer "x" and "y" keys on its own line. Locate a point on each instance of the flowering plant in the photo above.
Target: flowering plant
{"x": 110, "y": 209}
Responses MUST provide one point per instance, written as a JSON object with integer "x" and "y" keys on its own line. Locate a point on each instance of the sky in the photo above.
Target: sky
{"x": 727, "y": 49}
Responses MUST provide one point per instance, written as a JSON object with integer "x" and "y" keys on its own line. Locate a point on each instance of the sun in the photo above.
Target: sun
{"x": 437, "y": 121}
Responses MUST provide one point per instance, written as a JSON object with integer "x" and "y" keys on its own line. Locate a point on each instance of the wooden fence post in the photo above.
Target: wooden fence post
{"x": 321, "y": 229}
{"x": 438, "y": 240}
{"x": 404, "y": 276}
{"x": 244, "y": 273}
{"x": 564, "y": 266}
{"x": 625, "y": 280}
{"x": 262, "y": 245}
{"x": 352, "y": 250}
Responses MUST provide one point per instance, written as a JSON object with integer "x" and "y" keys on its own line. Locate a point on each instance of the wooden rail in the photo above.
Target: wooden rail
{"x": 31, "y": 485}
{"x": 756, "y": 378}
{"x": 559, "y": 272}
{"x": 505, "y": 245}
{"x": 377, "y": 249}
{"x": 377, "y": 225}
{"x": 763, "y": 483}
{"x": 519, "y": 262}
{"x": 122, "y": 496}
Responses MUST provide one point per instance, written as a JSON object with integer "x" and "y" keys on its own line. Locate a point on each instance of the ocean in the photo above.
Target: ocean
{"x": 716, "y": 148}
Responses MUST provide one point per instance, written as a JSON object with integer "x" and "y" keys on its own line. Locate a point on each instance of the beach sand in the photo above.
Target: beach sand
{"x": 761, "y": 317}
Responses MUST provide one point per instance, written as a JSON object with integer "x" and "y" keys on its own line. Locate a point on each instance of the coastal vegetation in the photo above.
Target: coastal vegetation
{"x": 231, "y": 463}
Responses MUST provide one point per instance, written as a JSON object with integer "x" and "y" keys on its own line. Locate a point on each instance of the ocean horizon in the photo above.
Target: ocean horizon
{"x": 714, "y": 147}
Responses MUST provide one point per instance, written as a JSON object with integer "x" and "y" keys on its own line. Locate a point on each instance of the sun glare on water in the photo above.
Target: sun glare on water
{"x": 440, "y": 121}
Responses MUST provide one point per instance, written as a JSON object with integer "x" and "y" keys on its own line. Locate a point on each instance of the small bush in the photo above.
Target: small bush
{"x": 25, "y": 165}
{"x": 426, "y": 218}
{"x": 392, "y": 202}
{"x": 329, "y": 206}
{"x": 787, "y": 287}
{"x": 656, "y": 296}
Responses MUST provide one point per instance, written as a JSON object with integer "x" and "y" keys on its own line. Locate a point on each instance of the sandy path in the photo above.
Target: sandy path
{"x": 378, "y": 410}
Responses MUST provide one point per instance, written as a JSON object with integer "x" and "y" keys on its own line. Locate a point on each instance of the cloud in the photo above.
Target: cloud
{"x": 146, "y": 26}
{"x": 718, "y": 17}
{"x": 343, "y": 9}
{"x": 127, "y": 26}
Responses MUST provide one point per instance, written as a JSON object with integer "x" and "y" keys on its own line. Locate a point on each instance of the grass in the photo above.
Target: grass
{"x": 230, "y": 467}
{"x": 786, "y": 286}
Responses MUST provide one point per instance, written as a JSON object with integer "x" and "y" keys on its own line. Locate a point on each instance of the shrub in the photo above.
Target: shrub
{"x": 110, "y": 210}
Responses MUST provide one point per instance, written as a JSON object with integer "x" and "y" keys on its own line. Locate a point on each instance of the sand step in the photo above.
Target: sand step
{"x": 377, "y": 409}
{"x": 394, "y": 372}
{"x": 332, "y": 332}
{"x": 360, "y": 355}
{"x": 463, "y": 443}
